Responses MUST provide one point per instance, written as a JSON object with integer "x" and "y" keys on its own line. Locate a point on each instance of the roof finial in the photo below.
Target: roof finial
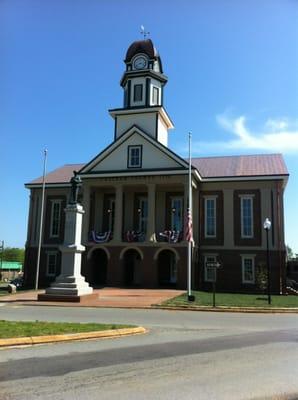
{"x": 143, "y": 32}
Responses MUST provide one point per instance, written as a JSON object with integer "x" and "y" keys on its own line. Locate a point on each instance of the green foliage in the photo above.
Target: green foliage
{"x": 9, "y": 329}
{"x": 13, "y": 254}
{"x": 232, "y": 300}
{"x": 262, "y": 277}
{"x": 290, "y": 253}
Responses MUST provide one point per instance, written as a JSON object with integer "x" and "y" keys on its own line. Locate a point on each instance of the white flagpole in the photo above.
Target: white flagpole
{"x": 41, "y": 218}
{"x": 189, "y": 260}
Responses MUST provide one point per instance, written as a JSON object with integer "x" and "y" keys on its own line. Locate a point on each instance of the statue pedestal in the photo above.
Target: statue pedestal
{"x": 70, "y": 285}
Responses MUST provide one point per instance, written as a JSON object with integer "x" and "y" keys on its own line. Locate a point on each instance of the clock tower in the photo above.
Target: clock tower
{"x": 143, "y": 83}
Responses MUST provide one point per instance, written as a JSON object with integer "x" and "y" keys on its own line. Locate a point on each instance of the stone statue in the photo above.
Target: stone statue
{"x": 75, "y": 182}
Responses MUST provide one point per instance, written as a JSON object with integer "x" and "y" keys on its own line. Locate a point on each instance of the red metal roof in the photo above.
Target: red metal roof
{"x": 235, "y": 166}
{"x": 208, "y": 167}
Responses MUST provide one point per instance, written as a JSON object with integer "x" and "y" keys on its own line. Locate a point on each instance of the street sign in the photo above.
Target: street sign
{"x": 214, "y": 264}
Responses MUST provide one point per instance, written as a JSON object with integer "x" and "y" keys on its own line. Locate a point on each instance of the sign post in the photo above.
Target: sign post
{"x": 215, "y": 265}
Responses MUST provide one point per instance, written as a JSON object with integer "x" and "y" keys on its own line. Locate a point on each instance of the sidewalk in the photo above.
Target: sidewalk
{"x": 107, "y": 297}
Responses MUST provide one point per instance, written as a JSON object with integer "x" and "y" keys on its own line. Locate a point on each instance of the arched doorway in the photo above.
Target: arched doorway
{"x": 132, "y": 268}
{"x": 99, "y": 262}
{"x": 167, "y": 268}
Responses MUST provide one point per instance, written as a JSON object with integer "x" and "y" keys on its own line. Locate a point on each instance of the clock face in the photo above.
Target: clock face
{"x": 140, "y": 63}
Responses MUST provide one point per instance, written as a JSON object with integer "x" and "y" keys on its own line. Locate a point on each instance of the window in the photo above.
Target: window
{"x": 155, "y": 95}
{"x": 210, "y": 272}
{"x": 210, "y": 217}
{"x": 134, "y": 156}
{"x": 138, "y": 93}
{"x": 248, "y": 269}
{"x": 55, "y": 218}
{"x": 142, "y": 214}
{"x": 51, "y": 263}
{"x": 176, "y": 214}
{"x": 247, "y": 216}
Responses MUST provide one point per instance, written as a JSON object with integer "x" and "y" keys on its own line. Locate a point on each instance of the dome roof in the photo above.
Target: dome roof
{"x": 141, "y": 46}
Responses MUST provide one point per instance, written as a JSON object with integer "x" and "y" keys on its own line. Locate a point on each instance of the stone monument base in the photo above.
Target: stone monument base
{"x": 67, "y": 298}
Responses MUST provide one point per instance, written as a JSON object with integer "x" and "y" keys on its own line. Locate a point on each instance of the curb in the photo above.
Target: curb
{"x": 230, "y": 309}
{"x": 111, "y": 333}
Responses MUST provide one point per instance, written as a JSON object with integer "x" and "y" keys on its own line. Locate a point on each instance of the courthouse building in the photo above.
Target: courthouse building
{"x": 135, "y": 193}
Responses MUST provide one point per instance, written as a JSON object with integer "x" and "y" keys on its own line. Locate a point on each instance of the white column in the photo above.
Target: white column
{"x": 117, "y": 237}
{"x": 150, "y": 235}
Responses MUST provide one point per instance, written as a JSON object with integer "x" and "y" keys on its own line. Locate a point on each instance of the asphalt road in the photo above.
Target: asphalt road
{"x": 186, "y": 355}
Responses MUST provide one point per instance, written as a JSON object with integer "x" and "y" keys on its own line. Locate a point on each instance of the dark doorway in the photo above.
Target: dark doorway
{"x": 132, "y": 268}
{"x": 167, "y": 269}
{"x": 99, "y": 267}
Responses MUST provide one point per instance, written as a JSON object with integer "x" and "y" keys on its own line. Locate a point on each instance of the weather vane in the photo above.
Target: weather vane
{"x": 143, "y": 32}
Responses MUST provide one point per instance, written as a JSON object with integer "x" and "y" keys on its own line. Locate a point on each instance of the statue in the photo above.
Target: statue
{"x": 75, "y": 182}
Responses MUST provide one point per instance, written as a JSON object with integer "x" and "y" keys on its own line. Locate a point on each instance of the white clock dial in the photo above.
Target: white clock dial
{"x": 140, "y": 63}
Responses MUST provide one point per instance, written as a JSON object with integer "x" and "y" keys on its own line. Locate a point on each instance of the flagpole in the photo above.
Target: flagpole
{"x": 41, "y": 218}
{"x": 189, "y": 255}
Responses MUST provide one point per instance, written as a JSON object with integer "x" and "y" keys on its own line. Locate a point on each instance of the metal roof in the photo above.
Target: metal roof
{"x": 208, "y": 167}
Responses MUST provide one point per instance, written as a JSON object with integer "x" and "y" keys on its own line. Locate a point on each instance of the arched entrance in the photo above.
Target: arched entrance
{"x": 99, "y": 262}
{"x": 132, "y": 268}
{"x": 167, "y": 268}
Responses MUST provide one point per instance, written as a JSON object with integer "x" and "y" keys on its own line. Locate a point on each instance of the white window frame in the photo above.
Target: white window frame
{"x": 252, "y": 258}
{"x": 156, "y": 90}
{"x": 206, "y": 199}
{"x": 251, "y": 198}
{"x": 209, "y": 258}
{"x": 50, "y": 254}
{"x": 53, "y": 203}
{"x": 130, "y": 148}
{"x": 173, "y": 199}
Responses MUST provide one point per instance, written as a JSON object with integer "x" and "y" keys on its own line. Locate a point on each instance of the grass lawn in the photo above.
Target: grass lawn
{"x": 11, "y": 329}
{"x": 233, "y": 299}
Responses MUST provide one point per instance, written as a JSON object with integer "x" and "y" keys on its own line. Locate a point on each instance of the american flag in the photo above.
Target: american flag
{"x": 188, "y": 227}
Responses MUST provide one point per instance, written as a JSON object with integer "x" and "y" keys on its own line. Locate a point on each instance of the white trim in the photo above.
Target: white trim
{"x": 125, "y": 249}
{"x": 206, "y": 198}
{"x": 48, "y": 185}
{"x": 252, "y": 258}
{"x": 246, "y": 195}
{"x": 163, "y": 248}
{"x": 53, "y": 203}
{"x": 214, "y": 257}
{"x": 145, "y": 109}
{"x": 134, "y": 173}
{"x": 251, "y": 198}
{"x": 133, "y": 130}
{"x": 51, "y": 253}
{"x": 247, "y": 178}
{"x": 134, "y": 147}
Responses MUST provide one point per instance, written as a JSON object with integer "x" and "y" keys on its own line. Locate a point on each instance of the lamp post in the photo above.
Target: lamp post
{"x": 267, "y": 226}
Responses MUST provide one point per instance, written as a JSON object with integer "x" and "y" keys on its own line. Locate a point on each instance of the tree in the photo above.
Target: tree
{"x": 290, "y": 253}
{"x": 13, "y": 254}
{"x": 261, "y": 277}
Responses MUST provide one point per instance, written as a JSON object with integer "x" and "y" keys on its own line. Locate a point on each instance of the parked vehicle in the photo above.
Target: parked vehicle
{"x": 18, "y": 282}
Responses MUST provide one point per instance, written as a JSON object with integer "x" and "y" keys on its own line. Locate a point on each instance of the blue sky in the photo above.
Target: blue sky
{"x": 232, "y": 69}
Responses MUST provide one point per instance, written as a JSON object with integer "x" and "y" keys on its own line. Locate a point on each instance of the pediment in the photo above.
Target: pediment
{"x": 114, "y": 158}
